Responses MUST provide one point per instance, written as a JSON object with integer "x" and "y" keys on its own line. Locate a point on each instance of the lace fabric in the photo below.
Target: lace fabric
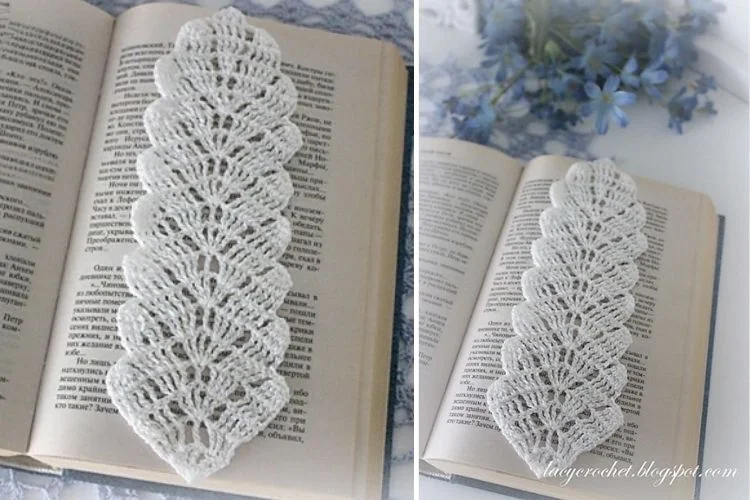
{"x": 557, "y": 398}
{"x": 202, "y": 337}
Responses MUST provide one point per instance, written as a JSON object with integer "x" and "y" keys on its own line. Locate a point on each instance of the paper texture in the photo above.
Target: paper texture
{"x": 52, "y": 57}
{"x": 464, "y": 195}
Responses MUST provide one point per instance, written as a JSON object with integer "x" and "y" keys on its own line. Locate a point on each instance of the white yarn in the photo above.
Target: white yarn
{"x": 562, "y": 369}
{"x": 202, "y": 337}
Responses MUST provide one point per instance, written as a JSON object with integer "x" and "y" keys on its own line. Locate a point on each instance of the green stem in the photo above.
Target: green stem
{"x": 567, "y": 42}
{"x": 543, "y": 27}
{"x": 509, "y": 83}
{"x": 474, "y": 91}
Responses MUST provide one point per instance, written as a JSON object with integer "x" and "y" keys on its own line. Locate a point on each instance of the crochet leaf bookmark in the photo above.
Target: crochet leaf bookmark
{"x": 202, "y": 338}
{"x": 563, "y": 374}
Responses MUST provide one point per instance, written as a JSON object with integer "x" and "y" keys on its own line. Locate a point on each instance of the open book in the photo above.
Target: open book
{"x": 74, "y": 83}
{"x": 479, "y": 214}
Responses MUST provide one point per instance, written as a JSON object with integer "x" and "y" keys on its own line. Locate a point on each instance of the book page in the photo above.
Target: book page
{"x": 341, "y": 188}
{"x": 52, "y": 58}
{"x": 666, "y": 361}
{"x": 464, "y": 194}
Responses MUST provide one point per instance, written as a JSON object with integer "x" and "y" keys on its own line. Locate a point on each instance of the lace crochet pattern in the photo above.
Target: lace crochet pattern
{"x": 557, "y": 398}
{"x": 202, "y": 337}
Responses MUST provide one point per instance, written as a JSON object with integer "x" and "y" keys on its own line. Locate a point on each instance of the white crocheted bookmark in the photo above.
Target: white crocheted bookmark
{"x": 563, "y": 374}
{"x": 202, "y": 338}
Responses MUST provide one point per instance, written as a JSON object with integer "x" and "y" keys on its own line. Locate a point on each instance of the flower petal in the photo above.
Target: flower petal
{"x": 611, "y": 84}
{"x": 620, "y": 116}
{"x": 631, "y": 66}
{"x": 623, "y": 98}
{"x": 592, "y": 90}
{"x": 632, "y": 80}
{"x": 652, "y": 91}
{"x": 658, "y": 76}
{"x": 602, "y": 121}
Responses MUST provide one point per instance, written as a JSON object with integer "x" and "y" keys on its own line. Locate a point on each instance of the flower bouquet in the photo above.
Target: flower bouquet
{"x": 566, "y": 60}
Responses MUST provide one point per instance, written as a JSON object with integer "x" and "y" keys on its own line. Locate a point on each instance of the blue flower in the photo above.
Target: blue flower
{"x": 656, "y": 43}
{"x": 561, "y": 59}
{"x": 556, "y": 117}
{"x": 618, "y": 26}
{"x": 575, "y": 11}
{"x": 654, "y": 15}
{"x": 584, "y": 30}
{"x": 653, "y": 75}
{"x": 478, "y": 121}
{"x": 708, "y": 107}
{"x": 703, "y": 13}
{"x": 678, "y": 51}
{"x": 628, "y": 76}
{"x": 560, "y": 119}
{"x": 509, "y": 59}
{"x": 606, "y": 103}
{"x": 680, "y": 108}
{"x": 596, "y": 58}
{"x": 564, "y": 83}
{"x": 705, "y": 83}
{"x": 502, "y": 21}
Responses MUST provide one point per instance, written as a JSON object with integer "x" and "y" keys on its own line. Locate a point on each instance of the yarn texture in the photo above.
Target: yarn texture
{"x": 202, "y": 337}
{"x": 557, "y": 398}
